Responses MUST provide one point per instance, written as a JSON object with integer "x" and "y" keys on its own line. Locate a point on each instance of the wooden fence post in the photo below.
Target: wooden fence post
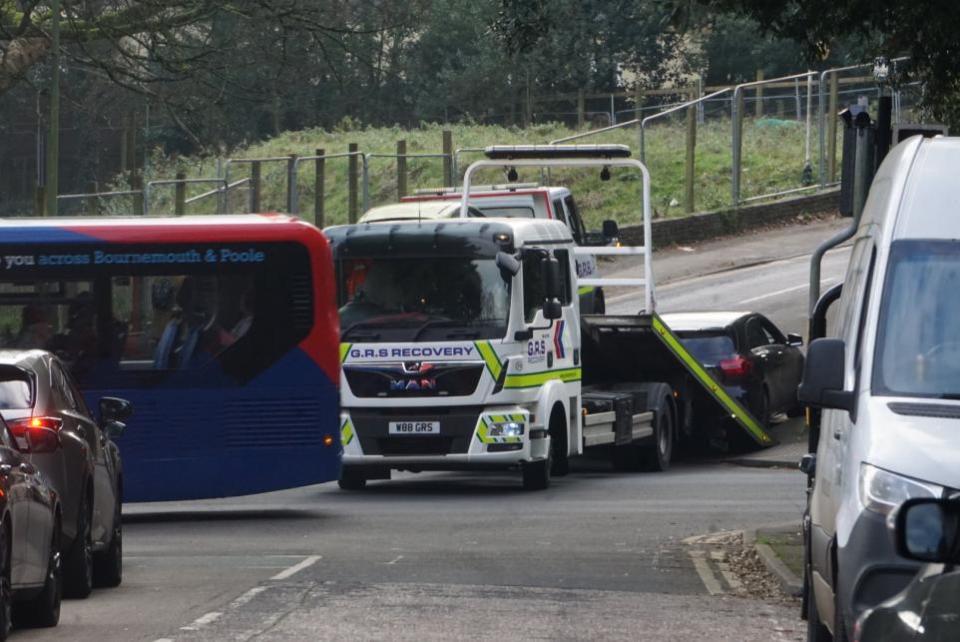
{"x": 136, "y": 185}
{"x": 448, "y": 157}
{"x": 352, "y": 181}
{"x": 93, "y": 202}
{"x": 758, "y": 108}
{"x": 688, "y": 192}
{"x": 180, "y": 194}
{"x": 832, "y": 128}
{"x": 292, "y": 183}
{"x": 581, "y": 109}
{"x": 255, "y": 187}
{"x": 401, "y": 168}
{"x": 319, "y": 187}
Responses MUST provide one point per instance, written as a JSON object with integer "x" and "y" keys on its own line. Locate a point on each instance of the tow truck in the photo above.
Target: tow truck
{"x": 463, "y": 346}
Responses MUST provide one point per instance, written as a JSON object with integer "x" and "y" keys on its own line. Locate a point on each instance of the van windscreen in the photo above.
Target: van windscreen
{"x": 918, "y": 343}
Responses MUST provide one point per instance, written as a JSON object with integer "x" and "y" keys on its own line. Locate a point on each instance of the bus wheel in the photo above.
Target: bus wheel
{"x": 352, "y": 480}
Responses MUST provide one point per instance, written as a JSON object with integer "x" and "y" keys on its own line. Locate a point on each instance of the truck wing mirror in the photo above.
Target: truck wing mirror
{"x": 610, "y": 230}
{"x": 508, "y": 263}
{"x": 822, "y": 383}
{"x": 551, "y": 277}
{"x": 925, "y": 529}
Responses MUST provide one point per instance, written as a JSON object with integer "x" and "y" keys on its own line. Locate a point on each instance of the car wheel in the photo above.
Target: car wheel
{"x": 763, "y": 410}
{"x": 78, "y": 565}
{"x": 108, "y": 565}
{"x": 44, "y": 609}
{"x": 352, "y": 480}
{"x": 6, "y": 597}
{"x": 660, "y": 454}
{"x": 816, "y": 631}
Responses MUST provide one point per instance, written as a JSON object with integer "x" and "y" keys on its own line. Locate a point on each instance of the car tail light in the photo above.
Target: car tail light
{"x": 36, "y": 434}
{"x": 736, "y": 368}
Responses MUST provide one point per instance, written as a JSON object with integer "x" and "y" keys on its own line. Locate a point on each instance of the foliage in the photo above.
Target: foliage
{"x": 773, "y": 160}
{"x": 926, "y": 31}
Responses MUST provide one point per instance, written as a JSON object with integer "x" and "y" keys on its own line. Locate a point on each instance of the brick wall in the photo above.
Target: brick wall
{"x": 698, "y": 227}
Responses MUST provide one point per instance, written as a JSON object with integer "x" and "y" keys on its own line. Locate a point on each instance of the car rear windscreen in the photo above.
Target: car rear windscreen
{"x": 16, "y": 389}
{"x": 709, "y": 349}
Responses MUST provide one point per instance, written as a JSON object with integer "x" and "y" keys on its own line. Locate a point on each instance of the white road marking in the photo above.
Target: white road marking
{"x": 246, "y": 597}
{"x": 394, "y": 560}
{"x": 296, "y": 568}
{"x": 706, "y": 575}
{"x": 203, "y": 620}
{"x": 779, "y": 292}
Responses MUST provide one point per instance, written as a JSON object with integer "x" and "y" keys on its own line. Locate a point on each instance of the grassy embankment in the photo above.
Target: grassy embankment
{"x": 772, "y": 153}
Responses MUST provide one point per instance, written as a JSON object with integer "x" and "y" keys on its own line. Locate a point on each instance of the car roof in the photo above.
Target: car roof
{"x": 22, "y": 358}
{"x": 690, "y": 321}
{"x": 427, "y": 210}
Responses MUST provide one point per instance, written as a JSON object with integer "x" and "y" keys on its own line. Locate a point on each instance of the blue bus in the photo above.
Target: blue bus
{"x": 222, "y": 331}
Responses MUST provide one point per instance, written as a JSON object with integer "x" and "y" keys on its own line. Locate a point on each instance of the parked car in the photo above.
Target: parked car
{"x": 30, "y": 565}
{"x": 83, "y": 463}
{"x": 888, "y": 381}
{"x": 925, "y": 530}
{"x": 757, "y": 364}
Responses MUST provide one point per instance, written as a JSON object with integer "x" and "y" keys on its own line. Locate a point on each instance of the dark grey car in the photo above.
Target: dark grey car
{"x": 30, "y": 516}
{"x": 83, "y": 465}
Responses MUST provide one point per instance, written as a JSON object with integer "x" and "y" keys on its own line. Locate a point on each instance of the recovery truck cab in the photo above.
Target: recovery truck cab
{"x": 463, "y": 347}
{"x": 511, "y": 200}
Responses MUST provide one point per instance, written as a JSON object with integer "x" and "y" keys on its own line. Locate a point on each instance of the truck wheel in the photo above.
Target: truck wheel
{"x": 352, "y": 480}
{"x": 536, "y": 474}
{"x": 558, "y": 445}
{"x": 660, "y": 453}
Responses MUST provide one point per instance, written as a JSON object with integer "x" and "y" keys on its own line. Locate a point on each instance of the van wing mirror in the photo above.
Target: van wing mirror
{"x": 823, "y": 374}
{"x": 794, "y": 340}
{"x": 926, "y": 529}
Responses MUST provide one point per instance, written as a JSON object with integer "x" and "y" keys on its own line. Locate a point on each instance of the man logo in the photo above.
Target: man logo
{"x": 416, "y": 378}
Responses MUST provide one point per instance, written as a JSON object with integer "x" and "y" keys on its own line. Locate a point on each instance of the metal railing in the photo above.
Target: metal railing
{"x": 179, "y": 183}
{"x": 365, "y": 183}
{"x": 737, "y": 129}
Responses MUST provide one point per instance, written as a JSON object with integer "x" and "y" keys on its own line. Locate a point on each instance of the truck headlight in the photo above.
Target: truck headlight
{"x": 506, "y": 429}
{"x": 881, "y": 491}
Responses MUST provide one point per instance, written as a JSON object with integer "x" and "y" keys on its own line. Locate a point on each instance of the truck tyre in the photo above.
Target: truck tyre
{"x": 351, "y": 479}
{"x": 660, "y": 453}
{"x": 536, "y": 474}
{"x": 558, "y": 444}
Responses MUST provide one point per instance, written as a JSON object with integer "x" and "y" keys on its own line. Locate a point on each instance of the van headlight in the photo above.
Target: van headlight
{"x": 881, "y": 491}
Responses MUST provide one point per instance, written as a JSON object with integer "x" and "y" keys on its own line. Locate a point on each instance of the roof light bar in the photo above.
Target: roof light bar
{"x": 439, "y": 191}
{"x": 511, "y": 152}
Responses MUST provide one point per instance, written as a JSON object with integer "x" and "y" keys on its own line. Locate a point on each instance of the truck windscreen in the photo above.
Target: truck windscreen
{"x": 409, "y": 299}
{"x": 918, "y": 346}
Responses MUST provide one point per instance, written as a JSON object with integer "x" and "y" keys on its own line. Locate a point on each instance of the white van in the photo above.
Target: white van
{"x": 888, "y": 380}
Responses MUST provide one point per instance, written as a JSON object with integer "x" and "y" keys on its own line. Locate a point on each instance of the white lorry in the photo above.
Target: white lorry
{"x": 463, "y": 347}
